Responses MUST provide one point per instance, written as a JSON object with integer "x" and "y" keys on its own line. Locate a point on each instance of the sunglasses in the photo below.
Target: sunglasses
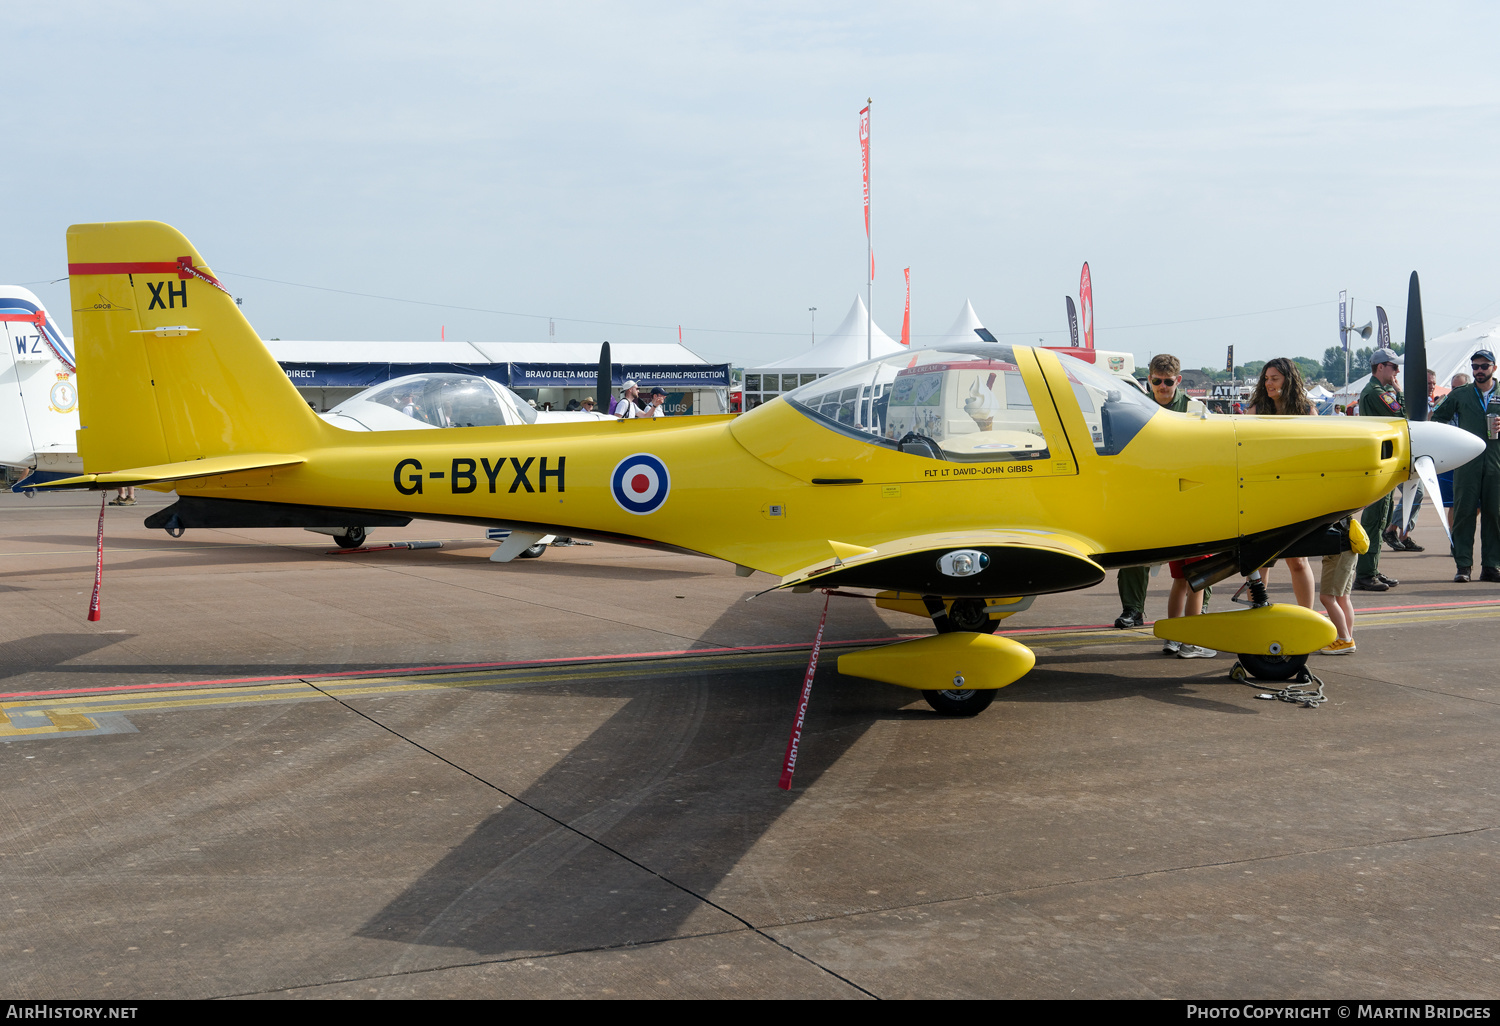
{"x": 1479, "y": 366}
{"x": 1163, "y": 381}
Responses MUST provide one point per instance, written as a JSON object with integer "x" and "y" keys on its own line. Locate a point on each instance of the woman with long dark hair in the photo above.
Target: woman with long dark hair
{"x": 1280, "y": 391}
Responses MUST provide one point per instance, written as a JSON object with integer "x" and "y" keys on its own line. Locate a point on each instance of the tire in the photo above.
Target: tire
{"x": 533, "y": 552}
{"x": 970, "y": 616}
{"x": 968, "y": 702}
{"x": 352, "y": 538}
{"x": 1266, "y": 667}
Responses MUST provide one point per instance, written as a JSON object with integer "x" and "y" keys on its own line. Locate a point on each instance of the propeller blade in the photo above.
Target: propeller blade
{"x": 602, "y": 385}
{"x": 1415, "y": 357}
{"x": 1427, "y": 471}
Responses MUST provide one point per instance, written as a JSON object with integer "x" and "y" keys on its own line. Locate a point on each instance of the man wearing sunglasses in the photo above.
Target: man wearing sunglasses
{"x": 1164, "y": 377}
{"x": 1476, "y": 484}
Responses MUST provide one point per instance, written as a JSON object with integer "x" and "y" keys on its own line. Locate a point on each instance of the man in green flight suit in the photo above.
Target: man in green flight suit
{"x": 1381, "y": 398}
{"x": 1476, "y": 484}
{"x": 1165, "y": 377}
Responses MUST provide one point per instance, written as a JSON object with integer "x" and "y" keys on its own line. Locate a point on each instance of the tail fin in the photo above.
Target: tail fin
{"x": 170, "y": 370}
{"x": 38, "y": 397}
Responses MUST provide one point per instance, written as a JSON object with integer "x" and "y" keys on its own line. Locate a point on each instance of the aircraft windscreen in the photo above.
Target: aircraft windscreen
{"x": 1114, "y": 410}
{"x": 449, "y": 400}
{"x": 969, "y": 405}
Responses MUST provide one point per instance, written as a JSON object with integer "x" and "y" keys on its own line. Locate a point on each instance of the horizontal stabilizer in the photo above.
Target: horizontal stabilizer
{"x": 975, "y": 563}
{"x": 162, "y": 473}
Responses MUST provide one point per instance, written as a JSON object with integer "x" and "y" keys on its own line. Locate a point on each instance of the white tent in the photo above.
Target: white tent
{"x": 840, "y": 348}
{"x": 962, "y": 330}
{"x": 1447, "y": 355}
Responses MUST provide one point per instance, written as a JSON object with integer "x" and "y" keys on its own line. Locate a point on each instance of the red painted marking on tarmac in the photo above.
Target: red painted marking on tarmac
{"x": 399, "y": 671}
{"x": 1428, "y": 605}
{"x": 402, "y": 671}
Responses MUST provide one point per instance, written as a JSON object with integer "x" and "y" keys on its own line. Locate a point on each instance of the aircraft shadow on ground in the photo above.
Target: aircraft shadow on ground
{"x": 45, "y": 652}
{"x": 1181, "y": 683}
{"x": 682, "y": 780}
{"x": 678, "y": 785}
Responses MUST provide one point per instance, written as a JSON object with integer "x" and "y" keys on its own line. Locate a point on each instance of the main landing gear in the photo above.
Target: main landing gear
{"x": 966, "y": 616}
{"x": 352, "y": 538}
{"x": 1277, "y": 665}
{"x": 1266, "y": 667}
{"x": 1269, "y": 667}
{"x": 965, "y": 702}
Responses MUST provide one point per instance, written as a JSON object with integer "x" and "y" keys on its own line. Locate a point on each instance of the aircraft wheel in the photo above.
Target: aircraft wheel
{"x": 352, "y": 538}
{"x": 970, "y": 615}
{"x": 533, "y": 552}
{"x": 1265, "y": 667}
{"x": 969, "y": 702}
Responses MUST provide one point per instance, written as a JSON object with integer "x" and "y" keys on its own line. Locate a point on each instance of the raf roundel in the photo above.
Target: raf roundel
{"x": 640, "y": 483}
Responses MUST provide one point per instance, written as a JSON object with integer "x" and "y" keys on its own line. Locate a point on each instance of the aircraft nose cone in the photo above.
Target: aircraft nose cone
{"x": 1447, "y": 445}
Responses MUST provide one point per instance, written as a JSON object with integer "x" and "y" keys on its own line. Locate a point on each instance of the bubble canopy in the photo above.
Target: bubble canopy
{"x": 967, "y": 403}
{"x": 442, "y": 400}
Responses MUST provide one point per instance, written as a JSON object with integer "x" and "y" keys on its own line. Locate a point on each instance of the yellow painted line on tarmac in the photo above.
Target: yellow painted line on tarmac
{"x": 40, "y": 715}
{"x": 1115, "y": 636}
{"x": 74, "y": 714}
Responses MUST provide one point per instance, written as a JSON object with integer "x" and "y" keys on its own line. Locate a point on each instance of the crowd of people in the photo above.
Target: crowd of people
{"x": 1469, "y": 493}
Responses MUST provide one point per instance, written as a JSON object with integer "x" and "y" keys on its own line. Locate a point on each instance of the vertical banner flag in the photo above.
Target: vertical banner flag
{"x": 1072, "y": 320}
{"x": 906, "y": 317}
{"x": 864, "y": 159}
{"x": 1086, "y": 304}
{"x": 1383, "y": 341}
{"x": 1344, "y": 320}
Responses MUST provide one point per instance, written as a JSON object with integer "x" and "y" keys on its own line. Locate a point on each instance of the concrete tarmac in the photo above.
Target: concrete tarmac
{"x": 270, "y": 770}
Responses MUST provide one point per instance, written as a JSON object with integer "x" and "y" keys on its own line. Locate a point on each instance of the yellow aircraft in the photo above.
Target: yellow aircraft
{"x": 958, "y": 483}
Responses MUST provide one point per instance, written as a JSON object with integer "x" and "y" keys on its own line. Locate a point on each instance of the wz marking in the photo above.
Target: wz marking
{"x": 33, "y": 347}
{"x": 464, "y": 474}
{"x": 175, "y": 291}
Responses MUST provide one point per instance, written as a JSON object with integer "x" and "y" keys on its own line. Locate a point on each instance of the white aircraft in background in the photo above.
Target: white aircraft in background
{"x": 38, "y": 392}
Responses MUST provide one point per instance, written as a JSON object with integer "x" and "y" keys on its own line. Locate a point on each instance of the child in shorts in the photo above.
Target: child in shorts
{"x": 1334, "y": 588}
{"x": 1184, "y": 601}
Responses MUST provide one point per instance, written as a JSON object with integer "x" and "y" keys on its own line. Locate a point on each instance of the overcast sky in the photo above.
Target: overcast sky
{"x": 628, "y": 168}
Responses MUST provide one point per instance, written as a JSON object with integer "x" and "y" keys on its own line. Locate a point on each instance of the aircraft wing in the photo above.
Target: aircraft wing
{"x": 999, "y": 564}
{"x": 162, "y": 473}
